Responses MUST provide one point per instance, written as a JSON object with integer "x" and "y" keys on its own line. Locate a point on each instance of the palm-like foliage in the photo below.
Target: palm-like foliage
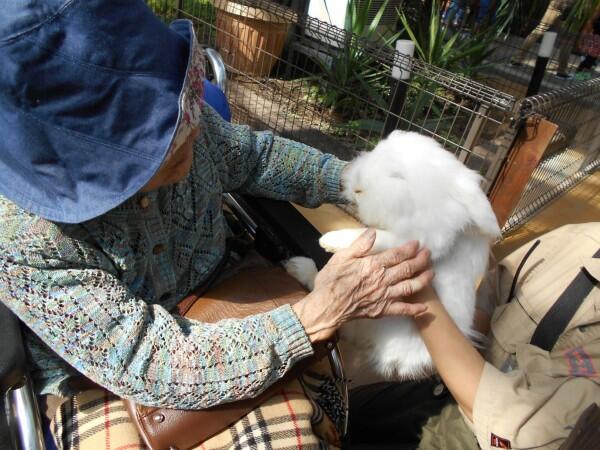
{"x": 428, "y": 105}
{"x": 580, "y": 13}
{"x": 456, "y": 51}
{"x": 352, "y": 74}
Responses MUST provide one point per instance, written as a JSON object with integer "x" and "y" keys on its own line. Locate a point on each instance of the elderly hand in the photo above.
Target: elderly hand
{"x": 356, "y": 285}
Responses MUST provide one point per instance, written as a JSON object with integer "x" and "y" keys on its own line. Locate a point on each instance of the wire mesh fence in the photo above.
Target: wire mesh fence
{"x": 313, "y": 82}
{"x": 513, "y": 61}
{"x": 515, "y": 54}
{"x": 574, "y": 151}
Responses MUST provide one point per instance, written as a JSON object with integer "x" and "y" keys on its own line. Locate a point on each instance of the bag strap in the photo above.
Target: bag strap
{"x": 518, "y": 271}
{"x": 555, "y": 321}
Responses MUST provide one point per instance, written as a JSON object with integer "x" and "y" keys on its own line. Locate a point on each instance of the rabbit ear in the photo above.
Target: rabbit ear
{"x": 468, "y": 192}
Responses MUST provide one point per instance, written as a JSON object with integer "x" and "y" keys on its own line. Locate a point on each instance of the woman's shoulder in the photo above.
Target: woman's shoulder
{"x": 20, "y": 227}
{"x": 218, "y": 130}
{"x": 32, "y": 240}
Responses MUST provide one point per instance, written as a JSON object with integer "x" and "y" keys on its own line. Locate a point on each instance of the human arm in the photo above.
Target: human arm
{"x": 66, "y": 289}
{"x": 265, "y": 165}
{"x": 67, "y": 292}
{"x": 529, "y": 408}
{"x": 455, "y": 358}
{"x": 528, "y": 397}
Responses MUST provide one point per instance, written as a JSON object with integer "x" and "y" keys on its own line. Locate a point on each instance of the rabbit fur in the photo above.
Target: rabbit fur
{"x": 410, "y": 188}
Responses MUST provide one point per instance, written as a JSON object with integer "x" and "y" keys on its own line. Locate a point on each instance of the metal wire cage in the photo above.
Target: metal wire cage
{"x": 574, "y": 151}
{"x": 515, "y": 53}
{"x": 318, "y": 84}
{"x": 315, "y": 83}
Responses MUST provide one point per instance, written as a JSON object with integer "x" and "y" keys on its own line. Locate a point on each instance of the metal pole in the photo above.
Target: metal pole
{"x": 399, "y": 79}
{"x": 541, "y": 62}
{"x": 179, "y": 9}
{"x": 24, "y": 417}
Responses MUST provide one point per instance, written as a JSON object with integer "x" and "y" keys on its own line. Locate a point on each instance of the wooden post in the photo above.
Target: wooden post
{"x": 523, "y": 158}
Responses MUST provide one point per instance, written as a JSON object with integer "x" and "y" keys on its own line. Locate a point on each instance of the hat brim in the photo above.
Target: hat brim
{"x": 85, "y": 130}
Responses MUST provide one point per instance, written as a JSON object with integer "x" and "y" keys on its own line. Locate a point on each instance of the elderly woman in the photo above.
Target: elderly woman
{"x": 111, "y": 175}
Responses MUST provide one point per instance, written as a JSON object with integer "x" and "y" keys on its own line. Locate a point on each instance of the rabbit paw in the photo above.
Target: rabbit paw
{"x": 302, "y": 269}
{"x": 340, "y": 239}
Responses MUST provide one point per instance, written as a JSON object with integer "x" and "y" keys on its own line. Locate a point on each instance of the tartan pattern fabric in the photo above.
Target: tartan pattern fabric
{"x": 98, "y": 420}
{"x": 95, "y": 419}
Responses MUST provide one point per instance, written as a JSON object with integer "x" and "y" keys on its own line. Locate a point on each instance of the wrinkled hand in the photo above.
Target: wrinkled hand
{"x": 356, "y": 285}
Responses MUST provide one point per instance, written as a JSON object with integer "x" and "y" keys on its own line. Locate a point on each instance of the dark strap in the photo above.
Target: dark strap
{"x": 518, "y": 272}
{"x": 554, "y": 323}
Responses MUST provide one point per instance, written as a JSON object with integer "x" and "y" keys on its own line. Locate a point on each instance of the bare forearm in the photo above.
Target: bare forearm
{"x": 456, "y": 360}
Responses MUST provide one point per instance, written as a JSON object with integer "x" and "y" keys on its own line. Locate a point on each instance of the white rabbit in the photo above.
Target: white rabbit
{"x": 410, "y": 188}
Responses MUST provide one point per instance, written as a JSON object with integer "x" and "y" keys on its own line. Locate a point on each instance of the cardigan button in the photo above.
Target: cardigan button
{"x": 438, "y": 389}
{"x": 144, "y": 202}
{"x": 158, "y": 248}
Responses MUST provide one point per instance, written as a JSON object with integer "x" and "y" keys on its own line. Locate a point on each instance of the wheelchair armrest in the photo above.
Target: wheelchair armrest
{"x": 285, "y": 229}
{"x": 12, "y": 353}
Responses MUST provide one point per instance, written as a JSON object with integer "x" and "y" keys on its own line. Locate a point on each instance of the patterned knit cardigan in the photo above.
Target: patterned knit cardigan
{"x": 95, "y": 296}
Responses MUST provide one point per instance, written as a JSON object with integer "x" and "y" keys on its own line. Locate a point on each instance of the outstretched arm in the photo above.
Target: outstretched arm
{"x": 456, "y": 360}
{"x": 140, "y": 351}
{"x": 265, "y": 165}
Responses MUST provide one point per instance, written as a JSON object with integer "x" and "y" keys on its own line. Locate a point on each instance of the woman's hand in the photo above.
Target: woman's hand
{"x": 356, "y": 285}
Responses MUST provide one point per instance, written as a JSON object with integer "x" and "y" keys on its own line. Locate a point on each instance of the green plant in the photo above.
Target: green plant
{"x": 428, "y": 105}
{"x": 456, "y": 51}
{"x": 519, "y": 15}
{"x": 579, "y": 13}
{"x": 352, "y": 74}
{"x": 168, "y": 9}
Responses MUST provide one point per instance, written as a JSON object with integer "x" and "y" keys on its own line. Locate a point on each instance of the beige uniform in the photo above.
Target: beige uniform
{"x": 528, "y": 397}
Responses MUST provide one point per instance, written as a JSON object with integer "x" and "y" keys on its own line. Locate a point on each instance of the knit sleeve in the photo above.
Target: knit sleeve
{"x": 66, "y": 292}
{"x": 265, "y": 165}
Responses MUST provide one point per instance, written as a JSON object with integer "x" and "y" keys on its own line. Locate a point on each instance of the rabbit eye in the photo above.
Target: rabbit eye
{"x": 358, "y": 191}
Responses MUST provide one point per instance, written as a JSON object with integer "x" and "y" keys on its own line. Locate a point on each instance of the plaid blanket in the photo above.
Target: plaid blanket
{"x": 98, "y": 420}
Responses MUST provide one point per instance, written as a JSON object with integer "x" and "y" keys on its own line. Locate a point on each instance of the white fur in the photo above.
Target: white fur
{"x": 410, "y": 188}
{"x": 302, "y": 269}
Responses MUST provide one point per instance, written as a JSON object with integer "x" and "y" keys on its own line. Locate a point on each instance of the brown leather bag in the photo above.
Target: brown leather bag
{"x": 251, "y": 291}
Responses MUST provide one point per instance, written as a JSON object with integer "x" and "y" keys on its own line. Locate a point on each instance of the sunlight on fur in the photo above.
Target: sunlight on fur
{"x": 410, "y": 188}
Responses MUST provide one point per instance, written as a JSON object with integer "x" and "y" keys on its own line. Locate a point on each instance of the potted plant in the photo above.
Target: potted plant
{"x": 251, "y": 38}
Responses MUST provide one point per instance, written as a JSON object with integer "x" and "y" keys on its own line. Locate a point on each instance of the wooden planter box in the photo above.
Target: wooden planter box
{"x": 250, "y": 39}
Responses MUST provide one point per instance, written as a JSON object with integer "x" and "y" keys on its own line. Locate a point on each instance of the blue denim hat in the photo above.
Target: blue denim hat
{"x": 93, "y": 94}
